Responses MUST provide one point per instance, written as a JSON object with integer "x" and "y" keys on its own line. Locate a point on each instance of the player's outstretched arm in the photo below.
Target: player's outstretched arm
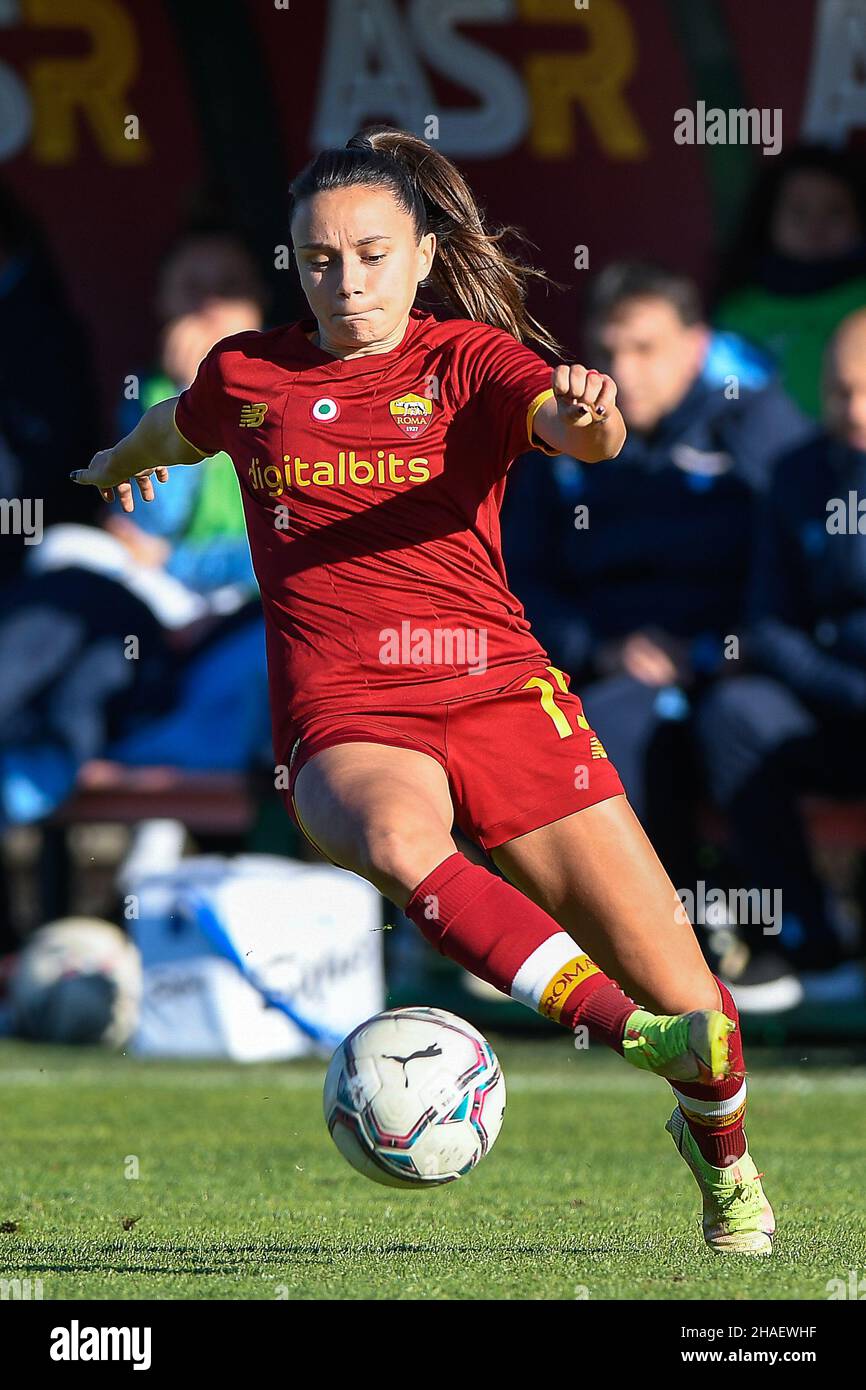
{"x": 582, "y": 419}
{"x": 154, "y": 446}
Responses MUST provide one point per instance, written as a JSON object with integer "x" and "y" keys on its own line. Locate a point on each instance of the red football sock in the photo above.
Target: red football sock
{"x": 498, "y": 934}
{"x": 715, "y": 1114}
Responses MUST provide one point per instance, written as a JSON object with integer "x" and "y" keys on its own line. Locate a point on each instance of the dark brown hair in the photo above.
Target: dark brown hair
{"x": 471, "y": 273}
{"x": 622, "y": 281}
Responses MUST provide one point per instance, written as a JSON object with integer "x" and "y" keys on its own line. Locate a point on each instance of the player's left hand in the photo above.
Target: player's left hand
{"x": 110, "y": 475}
{"x": 583, "y": 396}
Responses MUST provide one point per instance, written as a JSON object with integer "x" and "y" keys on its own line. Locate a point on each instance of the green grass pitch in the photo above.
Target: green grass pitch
{"x": 240, "y": 1193}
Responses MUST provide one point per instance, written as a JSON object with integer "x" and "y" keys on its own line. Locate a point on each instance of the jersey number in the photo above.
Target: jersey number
{"x": 549, "y": 705}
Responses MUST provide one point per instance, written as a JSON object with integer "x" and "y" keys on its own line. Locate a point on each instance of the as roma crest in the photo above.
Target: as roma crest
{"x": 412, "y": 413}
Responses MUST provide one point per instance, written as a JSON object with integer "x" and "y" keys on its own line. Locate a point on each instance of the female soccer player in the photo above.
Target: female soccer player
{"x": 372, "y": 443}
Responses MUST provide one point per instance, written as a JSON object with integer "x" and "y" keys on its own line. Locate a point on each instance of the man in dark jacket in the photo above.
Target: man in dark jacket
{"x": 797, "y": 722}
{"x": 633, "y": 572}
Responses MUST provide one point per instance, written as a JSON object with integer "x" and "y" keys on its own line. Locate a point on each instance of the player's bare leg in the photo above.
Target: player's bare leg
{"x": 386, "y": 814}
{"x": 597, "y": 874}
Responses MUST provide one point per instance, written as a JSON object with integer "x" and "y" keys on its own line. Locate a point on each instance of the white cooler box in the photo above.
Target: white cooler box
{"x": 255, "y": 958}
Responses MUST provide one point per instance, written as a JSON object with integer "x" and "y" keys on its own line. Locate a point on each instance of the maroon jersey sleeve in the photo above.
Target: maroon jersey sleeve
{"x": 200, "y": 409}
{"x": 510, "y": 383}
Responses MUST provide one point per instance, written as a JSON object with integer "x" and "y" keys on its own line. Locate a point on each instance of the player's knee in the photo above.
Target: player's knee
{"x": 687, "y": 996}
{"x": 697, "y": 994}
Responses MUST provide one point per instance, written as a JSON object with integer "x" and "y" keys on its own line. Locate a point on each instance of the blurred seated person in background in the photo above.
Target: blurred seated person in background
{"x": 799, "y": 265}
{"x": 194, "y": 532}
{"x": 209, "y": 289}
{"x": 47, "y": 393}
{"x": 186, "y": 554}
{"x": 71, "y": 679}
{"x": 797, "y": 721}
{"x": 633, "y": 572}
{"x": 183, "y": 566}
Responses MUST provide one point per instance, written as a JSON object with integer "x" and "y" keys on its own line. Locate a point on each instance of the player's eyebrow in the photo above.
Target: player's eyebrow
{"x": 325, "y": 246}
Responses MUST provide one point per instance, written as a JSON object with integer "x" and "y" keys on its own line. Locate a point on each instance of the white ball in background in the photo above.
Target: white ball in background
{"x": 77, "y": 980}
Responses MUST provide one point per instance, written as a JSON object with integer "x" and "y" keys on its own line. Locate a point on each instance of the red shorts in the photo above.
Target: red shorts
{"x": 516, "y": 758}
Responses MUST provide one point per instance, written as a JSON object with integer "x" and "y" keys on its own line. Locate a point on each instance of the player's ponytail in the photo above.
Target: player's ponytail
{"x": 471, "y": 273}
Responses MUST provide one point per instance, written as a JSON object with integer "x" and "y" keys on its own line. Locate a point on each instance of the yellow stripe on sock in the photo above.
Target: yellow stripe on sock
{"x": 559, "y": 989}
{"x": 712, "y": 1121}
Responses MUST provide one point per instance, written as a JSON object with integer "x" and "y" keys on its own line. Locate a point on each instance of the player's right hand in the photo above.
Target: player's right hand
{"x": 110, "y": 475}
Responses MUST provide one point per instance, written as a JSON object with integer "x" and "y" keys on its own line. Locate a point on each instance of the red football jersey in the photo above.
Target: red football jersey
{"x": 371, "y": 488}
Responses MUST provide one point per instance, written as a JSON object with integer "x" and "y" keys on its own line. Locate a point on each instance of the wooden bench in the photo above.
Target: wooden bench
{"x": 212, "y": 803}
{"x": 207, "y": 803}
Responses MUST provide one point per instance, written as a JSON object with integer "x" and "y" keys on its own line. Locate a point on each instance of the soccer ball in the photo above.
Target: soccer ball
{"x": 414, "y": 1097}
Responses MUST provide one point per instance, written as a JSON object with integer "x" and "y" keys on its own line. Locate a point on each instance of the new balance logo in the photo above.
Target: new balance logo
{"x": 253, "y": 415}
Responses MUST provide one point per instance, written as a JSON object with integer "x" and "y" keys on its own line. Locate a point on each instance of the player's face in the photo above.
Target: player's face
{"x": 359, "y": 263}
{"x": 652, "y": 356}
{"x": 845, "y": 395}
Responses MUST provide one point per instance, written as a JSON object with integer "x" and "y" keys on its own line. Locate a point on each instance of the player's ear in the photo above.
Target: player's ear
{"x": 426, "y": 253}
